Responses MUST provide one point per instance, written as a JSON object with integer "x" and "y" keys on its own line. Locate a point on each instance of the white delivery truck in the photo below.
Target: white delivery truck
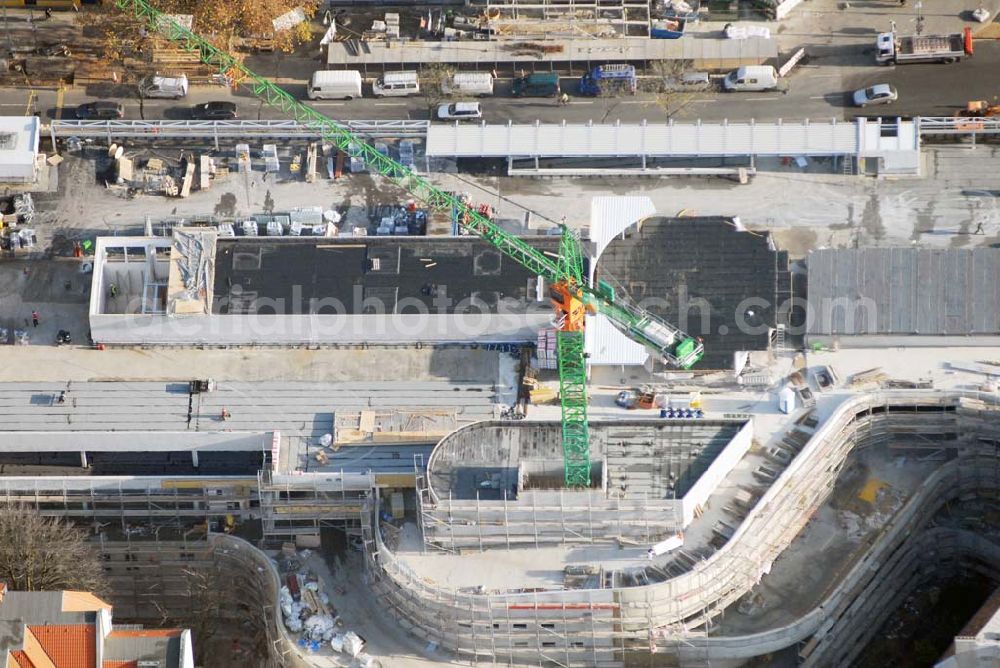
{"x": 164, "y": 87}
{"x": 751, "y": 78}
{"x": 473, "y": 84}
{"x": 396, "y": 84}
{"x": 335, "y": 85}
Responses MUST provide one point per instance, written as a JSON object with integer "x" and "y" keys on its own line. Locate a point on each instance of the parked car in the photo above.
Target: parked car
{"x": 334, "y": 85}
{"x": 877, "y": 94}
{"x": 214, "y": 111}
{"x": 101, "y": 110}
{"x": 172, "y": 88}
{"x": 538, "y": 84}
{"x": 751, "y": 78}
{"x": 459, "y": 111}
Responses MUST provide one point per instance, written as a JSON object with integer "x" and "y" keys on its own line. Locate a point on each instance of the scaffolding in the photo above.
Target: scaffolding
{"x": 151, "y": 578}
{"x": 602, "y": 626}
{"x": 302, "y": 505}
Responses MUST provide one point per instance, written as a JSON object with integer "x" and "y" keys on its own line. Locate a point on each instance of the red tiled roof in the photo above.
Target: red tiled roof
{"x": 68, "y": 645}
{"x": 121, "y": 664}
{"x": 144, "y": 633}
{"x": 22, "y": 659}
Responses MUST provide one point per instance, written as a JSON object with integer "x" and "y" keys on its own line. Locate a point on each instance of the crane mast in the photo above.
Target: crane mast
{"x": 571, "y": 297}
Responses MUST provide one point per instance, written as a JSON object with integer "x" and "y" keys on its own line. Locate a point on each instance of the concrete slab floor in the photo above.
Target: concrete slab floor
{"x": 359, "y": 612}
{"x": 503, "y": 570}
{"x": 48, "y": 363}
{"x": 942, "y": 209}
{"x": 57, "y": 290}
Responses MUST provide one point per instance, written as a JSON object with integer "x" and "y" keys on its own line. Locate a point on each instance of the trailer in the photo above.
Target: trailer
{"x": 893, "y": 48}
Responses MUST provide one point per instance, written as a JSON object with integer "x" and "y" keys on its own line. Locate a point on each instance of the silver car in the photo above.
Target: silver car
{"x": 459, "y": 111}
{"x": 877, "y": 94}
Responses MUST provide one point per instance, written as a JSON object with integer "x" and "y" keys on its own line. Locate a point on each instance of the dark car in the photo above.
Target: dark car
{"x": 214, "y": 111}
{"x": 101, "y": 110}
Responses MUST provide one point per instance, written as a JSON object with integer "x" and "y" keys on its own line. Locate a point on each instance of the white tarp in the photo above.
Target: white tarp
{"x": 185, "y": 20}
{"x": 665, "y": 546}
{"x": 331, "y": 34}
{"x": 746, "y": 32}
{"x": 289, "y": 19}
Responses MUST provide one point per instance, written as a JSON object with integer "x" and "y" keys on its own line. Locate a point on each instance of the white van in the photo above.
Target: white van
{"x": 164, "y": 87}
{"x": 751, "y": 78}
{"x": 335, "y": 85}
{"x": 477, "y": 84}
{"x": 396, "y": 84}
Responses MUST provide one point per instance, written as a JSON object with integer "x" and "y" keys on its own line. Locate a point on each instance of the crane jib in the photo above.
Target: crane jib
{"x": 566, "y": 269}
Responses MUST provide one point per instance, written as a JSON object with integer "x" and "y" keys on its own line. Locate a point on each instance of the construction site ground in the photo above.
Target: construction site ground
{"x": 943, "y": 209}
{"x": 875, "y": 485}
{"x": 841, "y": 532}
{"x": 360, "y": 612}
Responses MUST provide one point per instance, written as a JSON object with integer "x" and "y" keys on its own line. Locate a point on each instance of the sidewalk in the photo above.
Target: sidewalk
{"x": 851, "y": 22}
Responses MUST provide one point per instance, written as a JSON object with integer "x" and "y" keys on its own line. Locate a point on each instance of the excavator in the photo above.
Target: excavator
{"x": 572, "y": 297}
{"x": 979, "y": 109}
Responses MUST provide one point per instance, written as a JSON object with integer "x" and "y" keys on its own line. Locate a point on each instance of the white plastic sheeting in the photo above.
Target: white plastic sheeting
{"x": 609, "y": 217}
{"x": 607, "y": 346}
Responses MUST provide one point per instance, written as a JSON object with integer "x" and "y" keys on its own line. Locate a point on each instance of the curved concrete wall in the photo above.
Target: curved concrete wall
{"x": 598, "y": 627}
{"x": 847, "y": 601}
{"x": 259, "y": 586}
{"x": 916, "y": 561}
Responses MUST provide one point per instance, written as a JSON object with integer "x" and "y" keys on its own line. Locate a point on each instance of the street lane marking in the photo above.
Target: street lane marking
{"x": 59, "y": 102}
{"x": 390, "y": 104}
{"x": 582, "y": 102}
{"x": 818, "y": 97}
{"x": 328, "y": 104}
{"x": 761, "y": 99}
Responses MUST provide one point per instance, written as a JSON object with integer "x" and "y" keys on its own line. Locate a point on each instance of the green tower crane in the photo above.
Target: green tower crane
{"x": 572, "y": 297}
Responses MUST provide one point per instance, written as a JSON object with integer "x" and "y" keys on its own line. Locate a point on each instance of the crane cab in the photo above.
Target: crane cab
{"x": 570, "y": 307}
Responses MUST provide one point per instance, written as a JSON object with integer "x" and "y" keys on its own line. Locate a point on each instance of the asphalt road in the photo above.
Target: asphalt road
{"x": 814, "y": 91}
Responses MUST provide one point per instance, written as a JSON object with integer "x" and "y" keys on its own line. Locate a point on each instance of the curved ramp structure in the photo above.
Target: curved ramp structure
{"x": 604, "y": 626}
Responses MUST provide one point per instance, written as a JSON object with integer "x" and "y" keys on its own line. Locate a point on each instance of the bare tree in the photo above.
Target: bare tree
{"x": 433, "y": 86}
{"x": 667, "y": 85}
{"x": 207, "y": 593}
{"x": 664, "y": 87}
{"x": 40, "y": 553}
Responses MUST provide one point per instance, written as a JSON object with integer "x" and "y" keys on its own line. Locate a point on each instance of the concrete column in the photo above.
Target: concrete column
{"x": 194, "y": 458}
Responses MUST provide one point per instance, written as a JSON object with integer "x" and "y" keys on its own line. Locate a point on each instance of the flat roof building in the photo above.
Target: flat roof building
{"x": 894, "y": 296}
{"x": 200, "y": 289}
{"x": 19, "y": 137}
